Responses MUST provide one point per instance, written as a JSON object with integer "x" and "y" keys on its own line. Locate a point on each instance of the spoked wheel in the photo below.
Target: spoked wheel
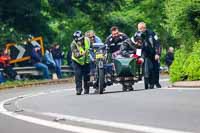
{"x": 127, "y": 87}
{"x": 131, "y": 88}
{"x": 101, "y": 81}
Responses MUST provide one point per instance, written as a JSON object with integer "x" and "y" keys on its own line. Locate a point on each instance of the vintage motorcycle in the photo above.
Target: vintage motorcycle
{"x": 109, "y": 71}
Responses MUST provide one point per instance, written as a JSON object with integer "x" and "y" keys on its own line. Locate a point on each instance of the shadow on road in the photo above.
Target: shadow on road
{"x": 112, "y": 92}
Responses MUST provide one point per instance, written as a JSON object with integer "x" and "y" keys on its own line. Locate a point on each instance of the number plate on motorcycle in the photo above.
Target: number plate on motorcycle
{"x": 99, "y": 56}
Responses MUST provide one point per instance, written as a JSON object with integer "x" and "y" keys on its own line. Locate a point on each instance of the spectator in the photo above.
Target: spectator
{"x": 36, "y": 59}
{"x": 69, "y": 58}
{"x": 169, "y": 58}
{"x": 1, "y": 78}
{"x": 5, "y": 64}
{"x": 58, "y": 56}
{"x": 49, "y": 61}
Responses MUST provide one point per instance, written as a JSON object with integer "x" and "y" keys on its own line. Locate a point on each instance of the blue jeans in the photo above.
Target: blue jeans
{"x": 1, "y": 78}
{"x": 44, "y": 69}
{"x": 58, "y": 67}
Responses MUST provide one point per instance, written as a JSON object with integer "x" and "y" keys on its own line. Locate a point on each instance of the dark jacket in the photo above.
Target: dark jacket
{"x": 114, "y": 43}
{"x": 69, "y": 57}
{"x": 57, "y": 53}
{"x": 36, "y": 57}
{"x": 127, "y": 48}
{"x": 151, "y": 45}
{"x": 169, "y": 58}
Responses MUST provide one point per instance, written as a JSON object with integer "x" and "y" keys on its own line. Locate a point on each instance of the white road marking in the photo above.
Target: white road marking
{"x": 126, "y": 126}
{"x": 66, "y": 127}
{"x": 58, "y": 91}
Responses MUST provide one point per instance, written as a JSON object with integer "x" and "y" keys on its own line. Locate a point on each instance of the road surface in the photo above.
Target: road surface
{"x": 56, "y": 109}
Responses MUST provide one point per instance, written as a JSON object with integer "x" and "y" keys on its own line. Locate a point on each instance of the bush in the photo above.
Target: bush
{"x": 176, "y": 69}
{"x": 192, "y": 64}
{"x": 186, "y": 65}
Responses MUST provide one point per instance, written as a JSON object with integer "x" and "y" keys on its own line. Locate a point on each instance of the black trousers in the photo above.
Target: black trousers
{"x": 81, "y": 72}
{"x": 52, "y": 68}
{"x": 154, "y": 73}
{"x": 151, "y": 71}
{"x": 10, "y": 72}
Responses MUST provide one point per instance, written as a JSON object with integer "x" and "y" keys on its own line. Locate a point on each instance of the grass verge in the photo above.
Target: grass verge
{"x": 30, "y": 83}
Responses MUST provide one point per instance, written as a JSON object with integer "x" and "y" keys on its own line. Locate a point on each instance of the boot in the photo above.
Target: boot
{"x": 146, "y": 86}
{"x": 86, "y": 91}
{"x": 79, "y": 91}
{"x": 146, "y": 83}
{"x": 151, "y": 86}
{"x": 130, "y": 88}
{"x": 124, "y": 87}
{"x": 158, "y": 85}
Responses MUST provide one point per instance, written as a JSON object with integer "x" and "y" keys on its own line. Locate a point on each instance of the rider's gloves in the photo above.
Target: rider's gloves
{"x": 140, "y": 61}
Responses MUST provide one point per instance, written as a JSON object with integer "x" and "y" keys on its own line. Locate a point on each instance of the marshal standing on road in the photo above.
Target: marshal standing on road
{"x": 80, "y": 47}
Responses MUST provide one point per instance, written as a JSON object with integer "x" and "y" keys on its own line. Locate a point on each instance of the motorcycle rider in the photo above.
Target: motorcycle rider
{"x": 131, "y": 48}
{"x": 152, "y": 51}
{"x": 80, "y": 47}
{"x": 115, "y": 39}
{"x": 114, "y": 42}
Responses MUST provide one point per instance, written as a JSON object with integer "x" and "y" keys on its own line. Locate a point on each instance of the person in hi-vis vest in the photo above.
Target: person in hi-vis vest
{"x": 80, "y": 47}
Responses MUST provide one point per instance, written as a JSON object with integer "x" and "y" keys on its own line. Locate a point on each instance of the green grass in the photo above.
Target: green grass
{"x": 12, "y": 84}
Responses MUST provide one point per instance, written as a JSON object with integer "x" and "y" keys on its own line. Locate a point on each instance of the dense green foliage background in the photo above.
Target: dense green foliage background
{"x": 177, "y": 22}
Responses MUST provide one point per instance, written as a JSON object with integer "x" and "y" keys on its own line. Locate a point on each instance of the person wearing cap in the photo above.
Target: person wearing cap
{"x": 152, "y": 52}
{"x": 36, "y": 59}
{"x": 80, "y": 47}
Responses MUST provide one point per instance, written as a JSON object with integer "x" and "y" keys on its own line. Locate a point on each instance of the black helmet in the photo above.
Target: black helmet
{"x": 77, "y": 36}
{"x": 138, "y": 36}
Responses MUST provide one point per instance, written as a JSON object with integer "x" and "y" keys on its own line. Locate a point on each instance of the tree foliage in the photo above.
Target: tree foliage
{"x": 177, "y": 22}
{"x": 183, "y": 20}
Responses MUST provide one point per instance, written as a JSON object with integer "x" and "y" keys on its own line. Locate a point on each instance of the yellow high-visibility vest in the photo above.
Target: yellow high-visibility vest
{"x": 85, "y": 59}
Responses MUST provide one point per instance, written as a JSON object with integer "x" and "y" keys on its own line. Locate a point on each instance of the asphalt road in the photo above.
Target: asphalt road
{"x": 56, "y": 109}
